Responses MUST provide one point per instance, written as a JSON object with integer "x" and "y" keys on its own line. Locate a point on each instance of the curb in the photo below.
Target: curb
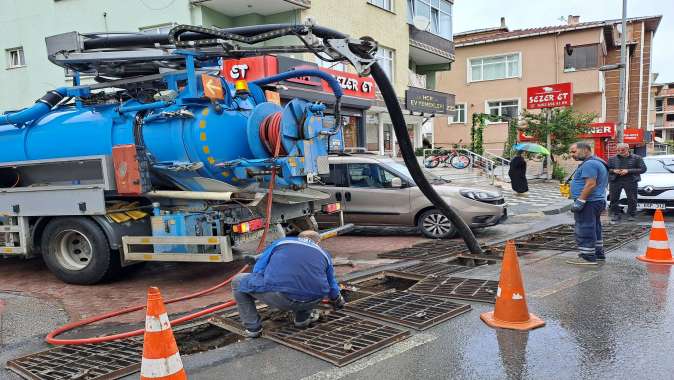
{"x": 559, "y": 208}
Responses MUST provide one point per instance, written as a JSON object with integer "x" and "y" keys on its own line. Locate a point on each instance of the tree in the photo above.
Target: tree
{"x": 563, "y": 124}
{"x": 511, "y": 140}
{"x": 477, "y": 129}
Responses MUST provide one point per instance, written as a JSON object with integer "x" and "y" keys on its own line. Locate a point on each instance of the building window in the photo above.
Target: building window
{"x": 158, "y": 29}
{"x": 384, "y": 4}
{"x": 437, "y": 12}
{"x": 385, "y": 58}
{"x": 581, "y": 57}
{"x": 504, "y": 108}
{"x": 670, "y": 101}
{"x": 458, "y": 115}
{"x": 340, "y": 66}
{"x": 670, "y": 117}
{"x": 15, "y": 58}
{"x": 496, "y": 67}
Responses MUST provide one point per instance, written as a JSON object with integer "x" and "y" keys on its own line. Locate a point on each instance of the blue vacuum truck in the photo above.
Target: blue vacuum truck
{"x": 158, "y": 158}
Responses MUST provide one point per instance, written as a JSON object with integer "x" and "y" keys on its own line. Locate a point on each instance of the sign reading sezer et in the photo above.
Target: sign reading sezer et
{"x": 550, "y": 96}
{"x": 426, "y": 101}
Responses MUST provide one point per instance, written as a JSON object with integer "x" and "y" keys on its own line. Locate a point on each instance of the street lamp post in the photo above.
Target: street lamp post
{"x": 623, "y": 74}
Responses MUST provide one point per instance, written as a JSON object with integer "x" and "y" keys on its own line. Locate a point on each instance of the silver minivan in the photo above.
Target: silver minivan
{"x": 379, "y": 191}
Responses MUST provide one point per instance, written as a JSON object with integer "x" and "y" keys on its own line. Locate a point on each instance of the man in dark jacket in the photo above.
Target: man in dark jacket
{"x": 292, "y": 274}
{"x": 625, "y": 171}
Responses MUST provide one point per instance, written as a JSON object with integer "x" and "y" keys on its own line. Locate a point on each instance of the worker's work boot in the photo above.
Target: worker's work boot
{"x": 313, "y": 316}
{"x": 615, "y": 218}
{"x": 253, "y": 333}
{"x": 582, "y": 260}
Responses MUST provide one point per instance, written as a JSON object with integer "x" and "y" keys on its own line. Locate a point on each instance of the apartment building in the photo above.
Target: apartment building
{"x": 495, "y": 66}
{"x": 410, "y": 55}
{"x": 664, "y": 112}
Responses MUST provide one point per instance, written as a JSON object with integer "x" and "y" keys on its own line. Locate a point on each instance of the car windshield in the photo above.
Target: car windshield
{"x": 659, "y": 166}
{"x": 402, "y": 169}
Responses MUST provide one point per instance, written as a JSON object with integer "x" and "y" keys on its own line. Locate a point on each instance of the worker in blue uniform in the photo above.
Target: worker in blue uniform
{"x": 292, "y": 274}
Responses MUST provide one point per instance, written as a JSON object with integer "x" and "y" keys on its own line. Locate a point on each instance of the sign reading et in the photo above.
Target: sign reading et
{"x": 550, "y": 96}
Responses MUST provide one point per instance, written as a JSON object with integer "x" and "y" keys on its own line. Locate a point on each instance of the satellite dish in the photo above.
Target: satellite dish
{"x": 421, "y": 22}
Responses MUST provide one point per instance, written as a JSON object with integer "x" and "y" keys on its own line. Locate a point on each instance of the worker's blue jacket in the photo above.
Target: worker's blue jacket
{"x": 299, "y": 268}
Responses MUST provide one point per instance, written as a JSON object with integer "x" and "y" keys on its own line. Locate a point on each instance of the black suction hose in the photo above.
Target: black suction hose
{"x": 411, "y": 162}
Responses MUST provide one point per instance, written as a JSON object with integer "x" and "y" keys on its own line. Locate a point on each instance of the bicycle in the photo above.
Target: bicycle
{"x": 456, "y": 159}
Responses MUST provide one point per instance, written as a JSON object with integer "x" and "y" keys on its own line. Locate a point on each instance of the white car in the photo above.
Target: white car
{"x": 656, "y": 188}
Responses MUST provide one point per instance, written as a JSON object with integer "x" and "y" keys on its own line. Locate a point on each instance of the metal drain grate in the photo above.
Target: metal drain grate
{"x": 457, "y": 287}
{"x": 337, "y": 338}
{"x": 410, "y": 310}
{"x": 428, "y": 251}
{"x": 110, "y": 360}
{"x": 431, "y": 269}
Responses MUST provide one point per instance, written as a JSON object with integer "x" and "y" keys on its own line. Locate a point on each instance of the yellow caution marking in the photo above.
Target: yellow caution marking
{"x": 213, "y": 240}
{"x": 206, "y": 149}
{"x": 202, "y": 124}
{"x": 214, "y": 258}
{"x": 202, "y": 136}
{"x": 205, "y": 112}
{"x": 147, "y": 257}
{"x": 225, "y": 174}
{"x": 145, "y": 240}
{"x": 7, "y": 250}
{"x": 211, "y": 160}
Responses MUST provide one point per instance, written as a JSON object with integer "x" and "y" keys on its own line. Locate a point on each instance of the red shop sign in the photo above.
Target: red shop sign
{"x": 633, "y": 136}
{"x": 352, "y": 84}
{"x": 599, "y": 130}
{"x": 250, "y": 69}
{"x": 550, "y": 96}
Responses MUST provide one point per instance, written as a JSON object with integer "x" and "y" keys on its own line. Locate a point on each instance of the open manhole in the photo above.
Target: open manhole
{"x": 382, "y": 281}
{"x": 471, "y": 289}
{"x": 407, "y": 309}
{"x": 112, "y": 360}
{"x": 337, "y": 337}
{"x": 430, "y": 269}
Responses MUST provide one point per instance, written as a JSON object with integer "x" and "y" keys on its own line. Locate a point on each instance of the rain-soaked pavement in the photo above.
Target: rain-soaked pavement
{"x": 611, "y": 321}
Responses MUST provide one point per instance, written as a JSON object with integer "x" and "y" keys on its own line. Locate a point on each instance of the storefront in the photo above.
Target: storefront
{"x": 359, "y": 92}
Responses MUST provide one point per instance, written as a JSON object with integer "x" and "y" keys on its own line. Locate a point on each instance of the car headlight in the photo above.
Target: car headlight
{"x": 480, "y": 195}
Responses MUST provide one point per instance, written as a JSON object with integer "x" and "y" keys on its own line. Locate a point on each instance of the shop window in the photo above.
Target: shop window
{"x": 494, "y": 67}
{"x": 581, "y": 57}
{"x": 458, "y": 115}
{"x": 504, "y": 108}
{"x": 15, "y": 58}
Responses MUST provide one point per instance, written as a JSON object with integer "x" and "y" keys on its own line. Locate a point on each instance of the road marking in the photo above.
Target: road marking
{"x": 395, "y": 350}
{"x": 562, "y": 285}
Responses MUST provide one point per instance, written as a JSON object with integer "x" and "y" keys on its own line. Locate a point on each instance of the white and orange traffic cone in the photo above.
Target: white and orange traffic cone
{"x": 161, "y": 359}
{"x": 658, "y": 250}
{"x": 510, "y": 311}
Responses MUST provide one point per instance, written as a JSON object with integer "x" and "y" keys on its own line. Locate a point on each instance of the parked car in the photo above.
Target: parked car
{"x": 376, "y": 190}
{"x": 656, "y": 188}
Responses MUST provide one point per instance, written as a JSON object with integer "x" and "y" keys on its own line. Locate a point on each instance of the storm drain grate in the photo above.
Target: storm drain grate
{"x": 457, "y": 287}
{"x": 428, "y": 251}
{"x": 410, "y": 310}
{"x": 337, "y": 337}
{"x": 431, "y": 269}
{"x": 110, "y": 360}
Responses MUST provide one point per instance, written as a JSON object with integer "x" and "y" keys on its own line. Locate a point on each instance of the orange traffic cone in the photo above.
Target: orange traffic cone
{"x": 510, "y": 311}
{"x": 658, "y": 250}
{"x": 161, "y": 359}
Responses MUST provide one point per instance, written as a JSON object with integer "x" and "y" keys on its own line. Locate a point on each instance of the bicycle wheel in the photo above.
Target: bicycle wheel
{"x": 460, "y": 161}
{"x": 431, "y": 162}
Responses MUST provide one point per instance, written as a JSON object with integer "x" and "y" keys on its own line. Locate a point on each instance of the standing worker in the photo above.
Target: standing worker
{"x": 588, "y": 190}
{"x": 518, "y": 174}
{"x": 625, "y": 171}
{"x": 292, "y": 274}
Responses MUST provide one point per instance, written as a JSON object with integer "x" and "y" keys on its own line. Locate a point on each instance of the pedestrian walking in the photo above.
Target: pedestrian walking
{"x": 625, "y": 171}
{"x": 588, "y": 190}
{"x": 518, "y": 174}
{"x": 292, "y": 274}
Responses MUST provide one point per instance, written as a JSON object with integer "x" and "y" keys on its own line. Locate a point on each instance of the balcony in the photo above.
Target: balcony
{"x": 236, "y": 8}
{"x": 416, "y": 80}
{"x": 429, "y": 49}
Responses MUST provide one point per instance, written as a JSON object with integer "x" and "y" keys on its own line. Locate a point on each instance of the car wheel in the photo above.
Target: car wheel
{"x": 77, "y": 251}
{"x": 435, "y": 225}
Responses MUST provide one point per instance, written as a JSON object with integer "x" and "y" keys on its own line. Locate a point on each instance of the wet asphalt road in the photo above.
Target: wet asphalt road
{"x": 613, "y": 321}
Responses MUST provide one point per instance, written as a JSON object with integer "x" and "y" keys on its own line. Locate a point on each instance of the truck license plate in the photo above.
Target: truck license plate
{"x": 651, "y": 206}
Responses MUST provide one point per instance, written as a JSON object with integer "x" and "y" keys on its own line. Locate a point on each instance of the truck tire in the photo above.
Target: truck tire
{"x": 76, "y": 250}
{"x": 435, "y": 225}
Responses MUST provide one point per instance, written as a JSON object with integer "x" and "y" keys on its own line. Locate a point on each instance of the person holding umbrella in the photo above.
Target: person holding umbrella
{"x": 518, "y": 174}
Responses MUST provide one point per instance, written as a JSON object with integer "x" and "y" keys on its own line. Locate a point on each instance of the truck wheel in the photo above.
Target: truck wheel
{"x": 435, "y": 225}
{"x": 304, "y": 223}
{"x": 77, "y": 251}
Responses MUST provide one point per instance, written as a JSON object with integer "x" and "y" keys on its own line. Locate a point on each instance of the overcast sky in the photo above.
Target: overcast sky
{"x": 519, "y": 14}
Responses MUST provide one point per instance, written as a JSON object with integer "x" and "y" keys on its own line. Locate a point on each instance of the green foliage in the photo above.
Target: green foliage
{"x": 563, "y": 124}
{"x": 419, "y": 152}
{"x": 558, "y": 173}
{"x": 511, "y": 140}
{"x": 477, "y": 131}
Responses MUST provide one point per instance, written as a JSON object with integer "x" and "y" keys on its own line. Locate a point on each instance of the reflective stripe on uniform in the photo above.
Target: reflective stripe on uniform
{"x": 157, "y": 324}
{"x": 658, "y": 244}
{"x": 154, "y": 368}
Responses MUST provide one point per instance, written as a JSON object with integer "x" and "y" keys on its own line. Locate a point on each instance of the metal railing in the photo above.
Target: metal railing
{"x": 501, "y": 161}
{"x": 661, "y": 149}
{"x": 476, "y": 161}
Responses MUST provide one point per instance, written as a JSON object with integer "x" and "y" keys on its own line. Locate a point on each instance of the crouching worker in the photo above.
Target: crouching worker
{"x": 292, "y": 274}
